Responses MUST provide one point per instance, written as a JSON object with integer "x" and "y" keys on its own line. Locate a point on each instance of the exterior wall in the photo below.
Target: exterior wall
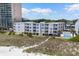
{"x": 69, "y": 26}
{"x": 77, "y": 27}
{"x": 5, "y": 15}
{"x": 19, "y": 27}
{"x": 42, "y": 28}
{"x": 55, "y": 27}
{"x": 39, "y": 28}
{"x": 29, "y": 27}
{"x": 9, "y": 12}
{"x": 16, "y": 12}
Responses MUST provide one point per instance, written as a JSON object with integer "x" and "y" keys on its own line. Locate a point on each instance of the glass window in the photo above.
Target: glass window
{"x": 54, "y": 31}
{"x": 54, "y": 28}
{"x": 42, "y": 24}
{"x": 18, "y": 26}
{"x": 37, "y": 27}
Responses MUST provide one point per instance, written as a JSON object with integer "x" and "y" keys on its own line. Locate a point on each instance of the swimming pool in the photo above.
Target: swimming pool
{"x": 67, "y": 35}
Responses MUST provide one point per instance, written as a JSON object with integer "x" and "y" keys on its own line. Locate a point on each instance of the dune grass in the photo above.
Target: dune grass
{"x": 58, "y": 47}
{"x": 54, "y": 46}
{"x": 17, "y": 40}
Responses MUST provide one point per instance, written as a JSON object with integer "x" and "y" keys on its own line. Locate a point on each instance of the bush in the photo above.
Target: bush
{"x": 25, "y": 32}
{"x": 29, "y": 34}
{"x": 1, "y": 31}
{"x": 11, "y": 33}
{"x": 74, "y": 39}
{"x": 21, "y": 34}
{"x": 53, "y": 37}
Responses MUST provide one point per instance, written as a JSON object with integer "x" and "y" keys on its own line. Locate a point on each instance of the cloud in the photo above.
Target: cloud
{"x": 42, "y": 11}
{"x": 72, "y": 7}
{"x": 76, "y": 14}
{"x": 37, "y": 10}
{"x": 25, "y": 11}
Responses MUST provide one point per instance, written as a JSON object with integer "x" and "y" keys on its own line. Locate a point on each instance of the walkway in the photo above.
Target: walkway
{"x": 33, "y": 46}
{"x": 15, "y": 51}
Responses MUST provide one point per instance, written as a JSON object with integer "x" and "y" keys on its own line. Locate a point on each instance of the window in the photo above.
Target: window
{"x": 42, "y": 27}
{"x": 37, "y": 27}
{"x": 37, "y": 24}
{"x": 54, "y": 28}
{"x": 46, "y": 27}
{"x": 55, "y": 24}
{"x": 30, "y": 27}
{"x": 37, "y": 30}
{"x": 42, "y": 24}
{"x": 26, "y": 24}
{"x": 34, "y": 27}
{"x": 18, "y": 30}
{"x": 54, "y": 31}
{"x": 46, "y": 24}
{"x": 30, "y": 30}
{"x": 34, "y": 30}
{"x": 14, "y": 26}
{"x": 18, "y": 26}
{"x": 50, "y": 28}
{"x": 34, "y": 24}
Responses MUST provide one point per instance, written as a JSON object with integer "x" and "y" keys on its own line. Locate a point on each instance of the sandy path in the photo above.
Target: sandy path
{"x": 25, "y": 48}
{"x": 4, "y": 51}
{"x": 15, "y": 51}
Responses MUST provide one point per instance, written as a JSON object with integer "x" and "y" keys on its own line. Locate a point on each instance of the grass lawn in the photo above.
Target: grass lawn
{"x": 16, "y": 40}
{"x": 58, "y": 47}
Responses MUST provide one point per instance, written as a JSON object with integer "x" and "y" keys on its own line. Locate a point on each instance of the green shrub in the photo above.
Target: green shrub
{"x": 53, "y": 37}
{"x": 21, "y": 34}
{"x": 29, "y": 34}
{"x": 74, "y": 39}
{"x": 1, "y": 31}
{"x": 13, "y": 33}
{"x": 25, "y": 32}
{"x": 10, "y": 33}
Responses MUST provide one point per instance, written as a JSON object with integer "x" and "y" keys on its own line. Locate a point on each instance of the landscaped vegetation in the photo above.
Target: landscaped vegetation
{"x": 57, "y": 47}
{"x": 74, "y": 39}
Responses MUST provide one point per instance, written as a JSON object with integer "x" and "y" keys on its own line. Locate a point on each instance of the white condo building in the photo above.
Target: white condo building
{"x": 77, "y": 27}
{"x": 42, "y": 28}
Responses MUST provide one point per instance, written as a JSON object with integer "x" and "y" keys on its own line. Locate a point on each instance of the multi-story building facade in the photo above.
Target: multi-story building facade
{"x": 77, "y": 27}
{"x": 41, "y": 28}
{"x": 69, "y": 25}
{"x": 9, "y": 13}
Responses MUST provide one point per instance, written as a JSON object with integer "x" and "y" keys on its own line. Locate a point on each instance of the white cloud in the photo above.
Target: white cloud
{"x": 76, "y": 14}
{"x": 37, "y": 10}
{"x": 42, "y": 11}
{"x": 72, "y": 7}
{"x": 25, "y": 11}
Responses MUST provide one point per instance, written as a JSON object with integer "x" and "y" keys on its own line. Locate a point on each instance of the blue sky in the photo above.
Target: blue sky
{"x": 52, "y": 11}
